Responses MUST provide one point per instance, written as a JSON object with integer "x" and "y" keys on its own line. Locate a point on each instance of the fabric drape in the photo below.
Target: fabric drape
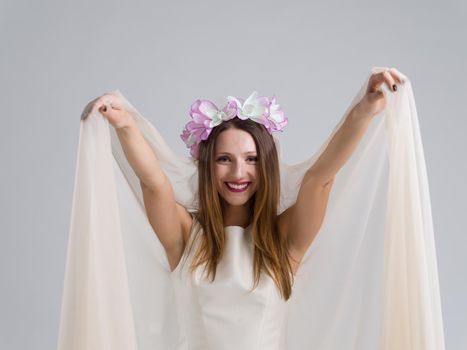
{"x": 368, "y": 281}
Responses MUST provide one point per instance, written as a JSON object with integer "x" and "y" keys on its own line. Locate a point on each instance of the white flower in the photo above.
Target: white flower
{"x": 250, "y": 108}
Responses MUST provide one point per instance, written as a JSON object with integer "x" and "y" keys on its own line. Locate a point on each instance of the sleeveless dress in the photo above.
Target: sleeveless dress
{"x": 225, "y": 314}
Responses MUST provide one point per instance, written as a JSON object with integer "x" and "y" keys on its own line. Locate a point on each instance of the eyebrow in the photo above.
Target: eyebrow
{"x": 249, "y": 152}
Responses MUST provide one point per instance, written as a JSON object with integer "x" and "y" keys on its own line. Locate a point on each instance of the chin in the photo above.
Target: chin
{"x": 235, "y": 203}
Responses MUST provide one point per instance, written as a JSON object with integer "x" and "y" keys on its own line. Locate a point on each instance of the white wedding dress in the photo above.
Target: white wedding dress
{"x": 225, "y": 314}
{"x": 368, "y": 281}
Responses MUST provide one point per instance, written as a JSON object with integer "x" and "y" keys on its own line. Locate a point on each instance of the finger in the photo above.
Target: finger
{"x": 395, "y": 76}
{"x": 102, "y": 107}
{"x": 111, "y": 102}
{"x": 101, "y": 104}
{"x": 403, "y": 78}
{"x": 106, "y": 107}
{"x": 105, "y": 103}
{"x": 381, "y": 78}
{"x": 389, "y": 80}
{"x": 375, "y": 82}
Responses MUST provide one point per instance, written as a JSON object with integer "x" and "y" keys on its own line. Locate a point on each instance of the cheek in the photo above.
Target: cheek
{"x": 218, "y": 174}
{"x": 255, "y": 173}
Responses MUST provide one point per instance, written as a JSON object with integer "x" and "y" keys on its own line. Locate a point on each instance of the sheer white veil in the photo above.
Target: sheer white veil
{"x": 368, "y": 281}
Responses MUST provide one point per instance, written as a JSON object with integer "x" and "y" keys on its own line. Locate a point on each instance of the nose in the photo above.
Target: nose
{"x": 239, "y": 170}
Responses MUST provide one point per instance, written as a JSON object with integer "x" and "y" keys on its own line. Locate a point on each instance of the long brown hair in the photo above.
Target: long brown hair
{"x": 271, "y": 251}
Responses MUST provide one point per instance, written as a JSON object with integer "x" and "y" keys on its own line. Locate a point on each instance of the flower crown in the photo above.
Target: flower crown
{"x": 206, "y": 116}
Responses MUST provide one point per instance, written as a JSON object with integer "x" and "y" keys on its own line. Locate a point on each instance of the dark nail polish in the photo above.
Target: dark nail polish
{"x": 394, "y": 87}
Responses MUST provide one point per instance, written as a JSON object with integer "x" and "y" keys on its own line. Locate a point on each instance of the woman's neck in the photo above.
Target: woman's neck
{"x": 234, "y": 215}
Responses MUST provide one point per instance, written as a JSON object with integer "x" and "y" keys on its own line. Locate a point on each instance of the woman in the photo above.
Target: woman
{"x": 242, "y": 252}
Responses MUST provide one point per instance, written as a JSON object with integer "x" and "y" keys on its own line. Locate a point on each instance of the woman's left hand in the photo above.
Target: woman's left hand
{"x": 373, "y": 102}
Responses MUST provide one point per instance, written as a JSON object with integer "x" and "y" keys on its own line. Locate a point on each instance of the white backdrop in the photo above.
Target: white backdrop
{"x": 56, "y": 57}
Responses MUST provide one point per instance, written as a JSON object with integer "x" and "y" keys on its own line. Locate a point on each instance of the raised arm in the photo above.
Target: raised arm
{"x": 302, "y": 221}
{"x": 141, "y": 157}
{"x": 346, "y": 139}
{"x": 170, "y": 220}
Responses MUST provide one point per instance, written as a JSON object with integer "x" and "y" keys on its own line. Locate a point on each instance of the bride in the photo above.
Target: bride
{"x": 261, "y": 254}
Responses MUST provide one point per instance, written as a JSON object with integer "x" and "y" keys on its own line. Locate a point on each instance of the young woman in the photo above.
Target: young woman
{"x": 242, "y": 255}
{"x": 232, "y": 248}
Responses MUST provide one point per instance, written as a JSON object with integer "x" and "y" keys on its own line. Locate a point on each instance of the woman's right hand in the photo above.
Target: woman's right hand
{"x": 111, "y": 107}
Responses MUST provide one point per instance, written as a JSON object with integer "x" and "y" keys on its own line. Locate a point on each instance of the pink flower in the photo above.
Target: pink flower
{"x": 206, "y": 116}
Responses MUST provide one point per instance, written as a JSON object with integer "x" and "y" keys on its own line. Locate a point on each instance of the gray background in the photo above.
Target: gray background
{"x": 56, "y": 57}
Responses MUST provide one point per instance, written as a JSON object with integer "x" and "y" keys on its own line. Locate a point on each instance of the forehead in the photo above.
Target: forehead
{"x": 235, "y": 141}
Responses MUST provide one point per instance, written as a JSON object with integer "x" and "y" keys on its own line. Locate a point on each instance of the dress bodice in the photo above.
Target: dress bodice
{"x": 225, "y": 314}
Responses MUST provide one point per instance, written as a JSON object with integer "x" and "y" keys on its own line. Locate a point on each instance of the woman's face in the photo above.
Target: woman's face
{"x": 235, "y": 165}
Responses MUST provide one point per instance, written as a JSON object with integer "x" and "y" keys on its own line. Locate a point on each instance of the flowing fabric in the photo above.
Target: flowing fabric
{"x": 369, "y": 279}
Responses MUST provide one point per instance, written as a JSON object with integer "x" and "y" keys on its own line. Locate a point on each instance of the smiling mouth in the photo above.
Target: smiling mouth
{"x": 237, "y": 188}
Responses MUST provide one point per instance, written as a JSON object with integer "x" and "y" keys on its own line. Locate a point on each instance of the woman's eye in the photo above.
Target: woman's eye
{"x": 221, "y": 159}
